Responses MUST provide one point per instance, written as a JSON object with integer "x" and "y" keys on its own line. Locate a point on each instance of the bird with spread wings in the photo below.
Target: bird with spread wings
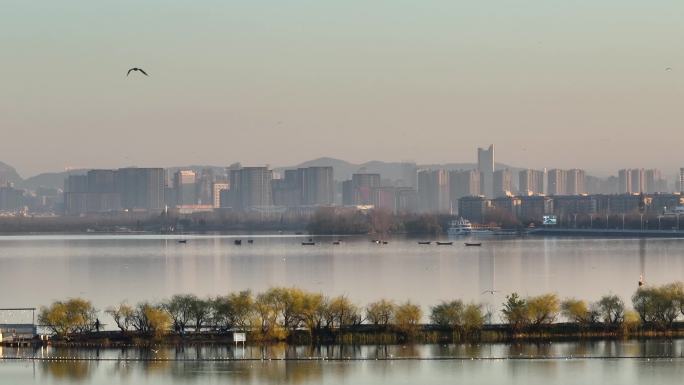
{"x": 136, "y": 69}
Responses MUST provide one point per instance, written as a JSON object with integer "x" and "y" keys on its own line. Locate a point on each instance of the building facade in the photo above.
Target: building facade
{"x": 575, "y": 182}
{"x": 433, "y": 191}
{"x": 250, "y": 188}
{"x": 503, "y": 183}
{"x": 556, "y": 183}
{"x": 531, "y": 182}
{"x": 485, "y": 165}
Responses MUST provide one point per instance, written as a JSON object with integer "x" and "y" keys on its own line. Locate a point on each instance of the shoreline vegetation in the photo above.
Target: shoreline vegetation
{"x": 299, "y": 317}
{"x": 324, "y": 221}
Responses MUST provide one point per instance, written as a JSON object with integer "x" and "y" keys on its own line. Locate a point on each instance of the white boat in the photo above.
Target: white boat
{"x": 460, "y": 226}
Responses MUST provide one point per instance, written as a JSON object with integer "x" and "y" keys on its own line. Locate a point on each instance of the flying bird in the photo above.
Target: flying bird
{"x": 136, "y": 69}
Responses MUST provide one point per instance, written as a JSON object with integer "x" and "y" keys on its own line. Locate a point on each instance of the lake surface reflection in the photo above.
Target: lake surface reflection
{"x": 650, "y": 348}
{"x": 111, "y": 268}
{"x": 121, "y": 367}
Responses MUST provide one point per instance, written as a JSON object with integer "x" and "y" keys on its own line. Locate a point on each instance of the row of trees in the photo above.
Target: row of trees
{"x": 278, "y": 312}
{"x": 533, "y": 313}
{"x": 345, "y": 221}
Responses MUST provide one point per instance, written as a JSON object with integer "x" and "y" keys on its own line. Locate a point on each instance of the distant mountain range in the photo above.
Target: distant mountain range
{"x": 8, "y": 174}
{"x": 341, "y": 169}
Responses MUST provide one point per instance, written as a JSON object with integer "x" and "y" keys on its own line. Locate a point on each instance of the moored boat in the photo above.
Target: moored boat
{"x": 461, "y": 226}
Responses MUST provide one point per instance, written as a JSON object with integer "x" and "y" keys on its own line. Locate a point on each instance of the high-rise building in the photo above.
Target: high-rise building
{"x": 311, "y": 186}
{"x": 141, "y": 188}
{"x": 408, "y": 176}
{"x": 533, "y": 208}
{"x": 250, "y": 187}
{"x": 113, "y": 190}
{"x": 531, "y": 182}
{"x": 624, "y": 181}
{"x": 507, "y": 205}
{"x": 463, "y": 184}
{"x": 184, "y": 182}
{"x": 681, "y": 180}
{"x": 217, "y": 189}
{"x": 385, "y": 198}
{"x": 485, "y": 164}
{"x": 75, "y": 194}
{"x": 204, "y": 187}
{"x": 362, "y": 185}
{"x": 287, "y": 191}
{"x": 653, "y": 181}
{"x": 407, "y": 199}
{"x": 101, "y": 181}
{"x": 347, "y": 193}
{"x": 433, "y": 191}
{"x": 473, "y": 208}
{"x": 557, "y": 180}
{"x": 317, "y": 186}
{"x": 503, "y": 183}
{"x": 102, "y": 192}
{"x": 575, "y": 182}
{"x": 638, "y": 181}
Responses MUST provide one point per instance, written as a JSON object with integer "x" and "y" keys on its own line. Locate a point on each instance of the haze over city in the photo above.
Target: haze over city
{"x": 279, "y": 83}
{"x": 341, "y": 192}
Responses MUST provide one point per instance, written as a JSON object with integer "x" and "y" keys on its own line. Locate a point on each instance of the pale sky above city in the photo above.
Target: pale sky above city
{"x": 551, "y": 83}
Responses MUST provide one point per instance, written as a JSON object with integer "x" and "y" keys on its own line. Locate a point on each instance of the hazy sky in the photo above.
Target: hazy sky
{"x": 551, "y": 83}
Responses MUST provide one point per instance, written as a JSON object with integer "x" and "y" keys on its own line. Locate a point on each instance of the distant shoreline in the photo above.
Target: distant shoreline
{"x": 615, "y": 233}
{"x": 367, "y": 335}
{"x": 536, "y": 233}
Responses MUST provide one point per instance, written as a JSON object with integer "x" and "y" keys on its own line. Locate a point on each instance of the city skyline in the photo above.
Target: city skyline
{"x": 668, "y": 173}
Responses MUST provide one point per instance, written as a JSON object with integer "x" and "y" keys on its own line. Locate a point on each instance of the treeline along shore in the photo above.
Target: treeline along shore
{"x": 300, "y": 317}
{"x": 331, "y": 221}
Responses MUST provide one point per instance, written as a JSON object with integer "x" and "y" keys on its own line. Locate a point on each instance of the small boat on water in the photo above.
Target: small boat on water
{"x": 308, "y": 243}
{"x": 238, "y": 242}
{"x": 336, "y": 242}
{"x": 461, "y": 226}
{"x": 384, "y": 242}
{"x": 444, "y": 243}
{"x": 473, "y": 243}
{"x": 182, "y": 241}
{"x": 424, "y": 242}
{"x": 250, "y": 241}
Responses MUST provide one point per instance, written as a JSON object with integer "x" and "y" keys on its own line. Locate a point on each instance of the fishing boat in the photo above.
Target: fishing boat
{"x": 444, "y": 243}
{"x": 308, "y": 243}
{"x": 238, "y": 242}
{"x": 473, "y": 243}
{"x": 424, "y": 242}
{"x": 182, "y": 241}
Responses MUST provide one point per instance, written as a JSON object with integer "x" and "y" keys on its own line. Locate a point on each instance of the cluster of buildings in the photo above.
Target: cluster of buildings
{"x": 238, "y": 188}
{"x": 476, "y": 193}
{"x": 134, "y": 189}
{"x": 525, "y": 194}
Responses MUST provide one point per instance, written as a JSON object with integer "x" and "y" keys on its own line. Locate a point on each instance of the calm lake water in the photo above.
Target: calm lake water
{"x": 110, "y": 268}
{"x": 616, "y": 362}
